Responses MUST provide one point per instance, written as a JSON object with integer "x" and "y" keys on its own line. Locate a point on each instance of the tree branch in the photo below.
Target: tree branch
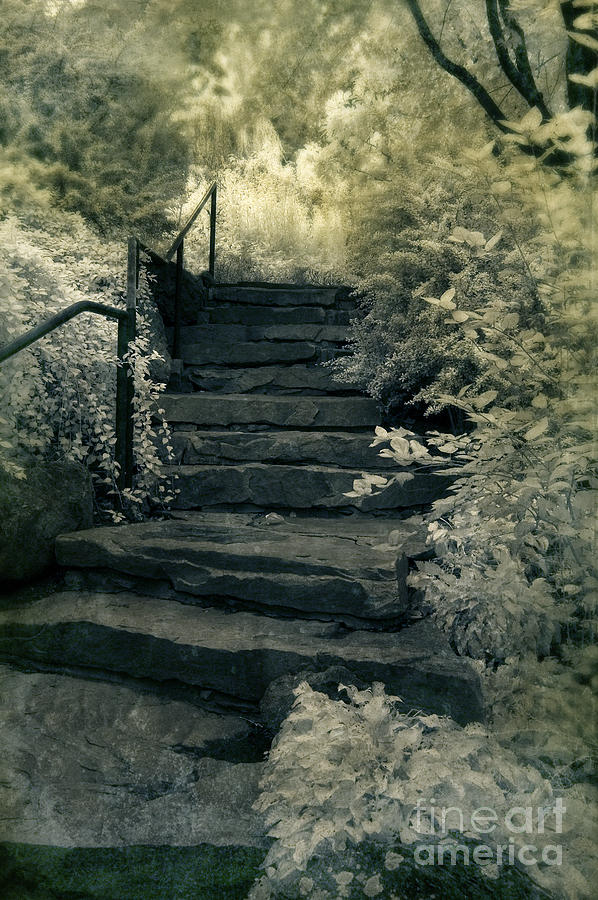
{"x": 521, "y": 54}
{"x": 521, "y": 79}
{"x": 457, "y": 71}
{"x": 547, "y": 155}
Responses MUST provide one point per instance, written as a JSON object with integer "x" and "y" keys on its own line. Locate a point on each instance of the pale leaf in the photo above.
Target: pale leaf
{"x": 459, "y": 315}
{"x": 536, "y": 430}
{"x": 585, "y": 39}
{"x": 531, "y": 120}
{"x": 448, "y": 448}
{"x": 494, "y": 240}
{"x": 446, "y": 301}
{"x": 590, "y": 80}
{"x": 485, "y": 399}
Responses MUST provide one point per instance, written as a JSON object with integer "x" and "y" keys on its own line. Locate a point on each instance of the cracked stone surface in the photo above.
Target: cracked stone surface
{"x": 239, "y": 653}
{"x": 329, "y": 448}
{"x": 290, "y": 379}
{"x": 305, "y": 412}
{"x": 247, "y": 353}
{"x": 269, "y": 567}
{"x": 89, "y": 764}
{"x": 297, "y": 487}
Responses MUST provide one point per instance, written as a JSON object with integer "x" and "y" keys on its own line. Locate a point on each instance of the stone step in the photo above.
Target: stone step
{"x": 273, "y": 486}
{"x": 335, "y": 448}
{"x": 236, "y": 654}
{"x": 295, "y": 411}
{"x": 266, "y": 379}
{"x": 222, "y": 334}
{"x": 267, "y": 568}
{"x": 248, "y": 353}
{"x": 275, "y": 295}
{"x": 110, "y": 765}
{"x": 236, "y": 313}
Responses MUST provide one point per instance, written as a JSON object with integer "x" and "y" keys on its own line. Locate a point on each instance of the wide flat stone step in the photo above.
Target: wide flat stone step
{"x": 287, "y": 412}
{"x": 298, "y": 487}
{"x": 110, "y": 766}
{"x": 222, "y": 334}
{"x": 274, "y": 295}
{"x": 336, "y": 448}
{"x": 269, "y": 568}
{"x": 267, "y": 379}
{"x": 236, "y": 654}
{"x": 248, "y": 353}
{"x": 239, "y": 313}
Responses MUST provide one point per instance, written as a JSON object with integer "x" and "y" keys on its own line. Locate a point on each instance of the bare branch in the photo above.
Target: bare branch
{"x": 521, "y": 54}
{"x": 521, "y": 79}
{"x": 457, "y": 71}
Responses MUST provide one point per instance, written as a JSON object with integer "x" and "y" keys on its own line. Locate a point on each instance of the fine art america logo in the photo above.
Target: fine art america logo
{"x": 509, "y": 829}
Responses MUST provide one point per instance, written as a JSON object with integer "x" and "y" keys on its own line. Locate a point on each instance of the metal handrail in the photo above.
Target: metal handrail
{"x": 126, "y": 319}
{"x": 211, "y": 192}
{"x": 178, "y": 247}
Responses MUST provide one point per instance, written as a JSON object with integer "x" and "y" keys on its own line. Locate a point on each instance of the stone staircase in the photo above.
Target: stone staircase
{"x": 265, "y": 571}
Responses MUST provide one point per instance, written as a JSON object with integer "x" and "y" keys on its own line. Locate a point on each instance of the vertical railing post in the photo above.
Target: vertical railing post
{"x": 212, "y": 261}
{"x": 132, "y": 282}
{"x": 124, "y": 376}
{"x": 178, "y": 290}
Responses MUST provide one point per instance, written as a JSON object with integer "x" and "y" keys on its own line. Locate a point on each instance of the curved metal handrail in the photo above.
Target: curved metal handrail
{"x": 126, "y": 319}
{"x": 30, "y": 337}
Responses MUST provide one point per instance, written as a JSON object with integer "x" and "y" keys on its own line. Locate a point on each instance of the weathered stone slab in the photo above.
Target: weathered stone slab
{"x": 298, "y": 487}
{"x": 267, "y": 379}
{"x": 408, "y": 534}
{"x": 335, "y": 448}
{"x": 243, "y": 314}
{"x": 225, "y": 314}
{"x": 223, "y": 334}
{"x": 93, "y": 764}
{"x": 332, "y": 333}
{"x": 247, "y": 353}
{"x": 311, "y": 574}
{"x": 300, "y": 412}
{"x": 238, "y": 654}
{"x": 273, "y": 295}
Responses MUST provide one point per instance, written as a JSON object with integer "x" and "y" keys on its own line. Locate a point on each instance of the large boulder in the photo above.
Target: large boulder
{"x": 53, "y": 498}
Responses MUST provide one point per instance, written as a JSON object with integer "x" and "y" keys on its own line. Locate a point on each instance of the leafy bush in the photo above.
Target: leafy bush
{"x": 412, "y": 246}
{"x": 342, "y": 773}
